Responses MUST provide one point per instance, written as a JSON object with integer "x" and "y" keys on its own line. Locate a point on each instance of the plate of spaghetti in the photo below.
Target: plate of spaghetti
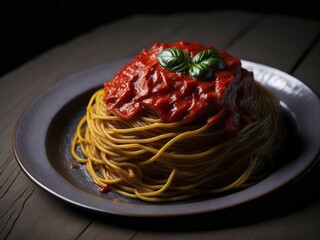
{"x": 179, "y": 129}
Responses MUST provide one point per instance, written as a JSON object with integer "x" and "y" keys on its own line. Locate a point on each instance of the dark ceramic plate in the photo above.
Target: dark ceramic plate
{"x": 43, "y": 136}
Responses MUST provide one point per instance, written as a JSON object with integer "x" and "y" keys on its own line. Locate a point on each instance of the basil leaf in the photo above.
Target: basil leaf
{"x": 211, "y": 62}
{"x": 174, "y": 59}
{"x": 201, "y": 71}
{"x": 201, "y": 56}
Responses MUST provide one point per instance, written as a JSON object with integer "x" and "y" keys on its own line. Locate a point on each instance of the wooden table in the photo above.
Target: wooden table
{"x": 287, "y": 43}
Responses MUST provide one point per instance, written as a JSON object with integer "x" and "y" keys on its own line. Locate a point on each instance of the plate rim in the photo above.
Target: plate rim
{"x": 153, "y": 210}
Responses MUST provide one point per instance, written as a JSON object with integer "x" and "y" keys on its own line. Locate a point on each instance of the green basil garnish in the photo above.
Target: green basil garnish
{"x": 200, "y": 71}
{"x": 174, "y": 59}
{"x": 204, "y": 69}
{"x": 201, "y": 66}
{"x": 209, "y": 53}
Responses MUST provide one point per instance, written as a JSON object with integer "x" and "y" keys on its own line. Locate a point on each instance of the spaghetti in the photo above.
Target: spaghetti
{"x": 155, "y": 159}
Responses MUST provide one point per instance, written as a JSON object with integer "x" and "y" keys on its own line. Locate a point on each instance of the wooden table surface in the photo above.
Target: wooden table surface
{"x": 287, "y": 43}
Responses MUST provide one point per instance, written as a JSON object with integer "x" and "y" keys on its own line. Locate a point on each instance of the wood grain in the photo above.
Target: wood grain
{"x": 309, "y": 71}
{"x": 27, "y": 212}
{"x": 277, "y": 41}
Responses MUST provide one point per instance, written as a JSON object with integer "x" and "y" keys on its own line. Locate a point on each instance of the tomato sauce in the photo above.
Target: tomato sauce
{"x": 143, "y": 84}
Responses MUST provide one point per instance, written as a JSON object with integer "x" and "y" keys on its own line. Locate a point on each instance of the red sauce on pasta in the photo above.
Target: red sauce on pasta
{"x": 143, "y": 84}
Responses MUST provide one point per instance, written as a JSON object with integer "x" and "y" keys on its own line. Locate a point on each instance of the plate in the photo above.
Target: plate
{"x": 43, "y": 136}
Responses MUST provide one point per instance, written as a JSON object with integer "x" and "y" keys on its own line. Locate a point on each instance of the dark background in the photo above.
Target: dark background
{"x": 29, "y": 28}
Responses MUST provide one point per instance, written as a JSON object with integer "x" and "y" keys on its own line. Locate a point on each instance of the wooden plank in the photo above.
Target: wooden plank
{"x": 100, "y": 230}
{"x": 309, "y": 71}
{"x": 27, "y": 217}
{"x": 217, "y": 29}
{"x": 288, "y": 226}
{"x": 277, "y": 41}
